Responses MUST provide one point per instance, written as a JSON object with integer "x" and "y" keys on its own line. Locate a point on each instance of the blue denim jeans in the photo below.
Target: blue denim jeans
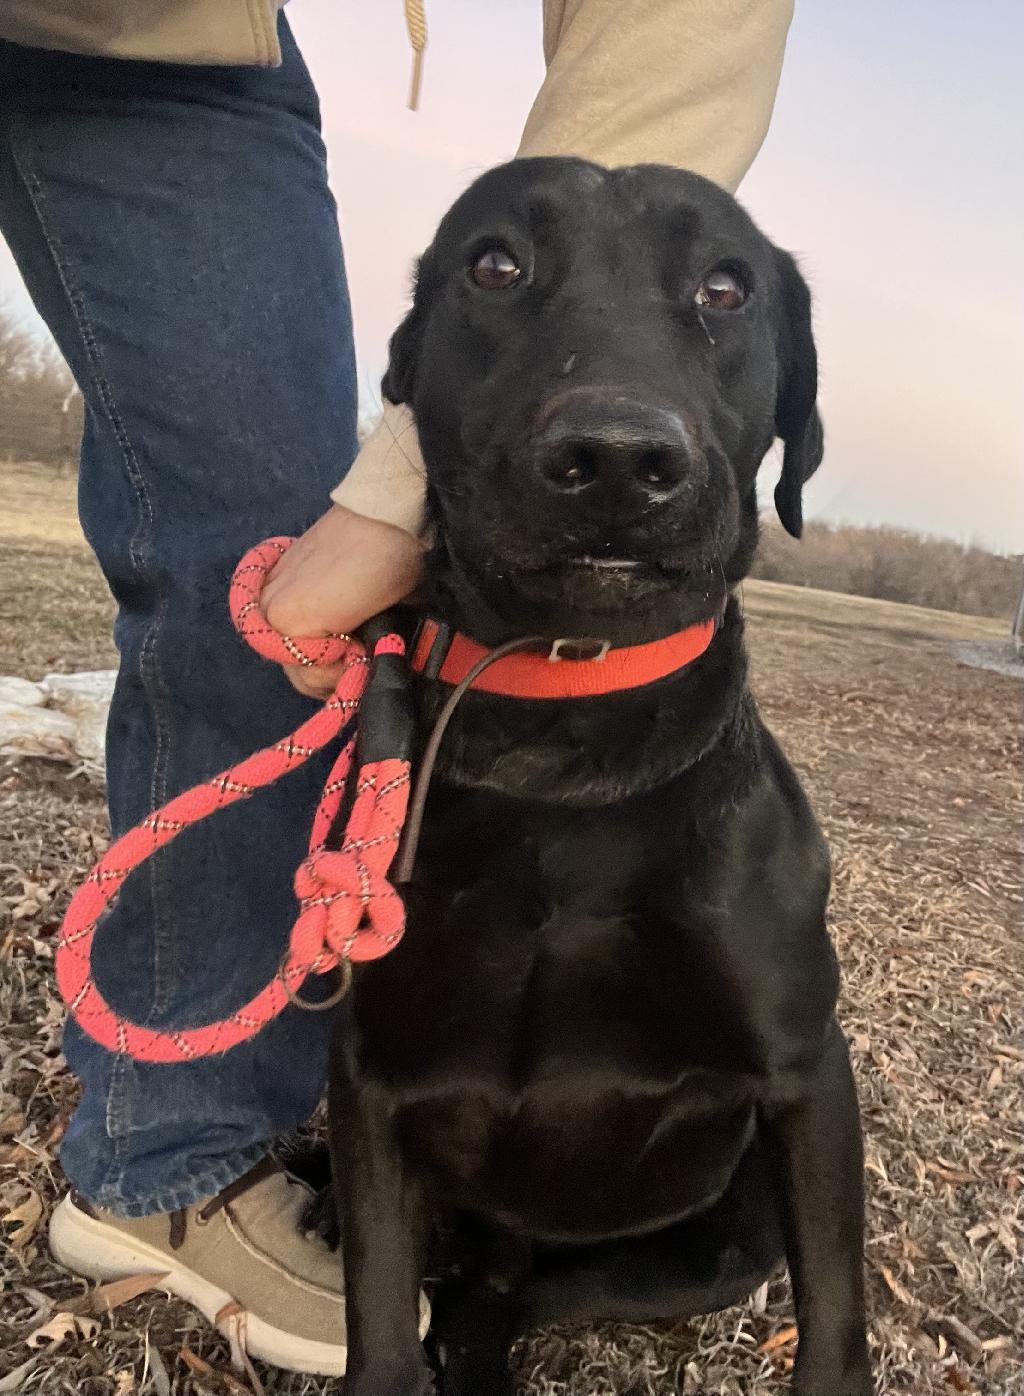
{"x": 175, "y": 230}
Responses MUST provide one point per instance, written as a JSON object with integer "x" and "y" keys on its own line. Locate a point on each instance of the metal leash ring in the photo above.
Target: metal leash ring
{"x": 320, "y": 1005}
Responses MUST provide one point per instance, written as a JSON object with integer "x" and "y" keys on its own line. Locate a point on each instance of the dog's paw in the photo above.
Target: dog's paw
{"x": 321, "y": 1217}
{"x": 812, "y": 1380}
{"x": 473, "y": 1330}
{"x": 391, "y": 1378}
{"x": 469, "y": 1374}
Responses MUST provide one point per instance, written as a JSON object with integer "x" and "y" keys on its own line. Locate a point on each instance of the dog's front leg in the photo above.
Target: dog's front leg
{"x": 815, "y": 1142}
{"x": 384, "y": 1233}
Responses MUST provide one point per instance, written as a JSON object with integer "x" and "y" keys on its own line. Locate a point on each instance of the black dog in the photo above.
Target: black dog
{"x": 607, "y": 1042}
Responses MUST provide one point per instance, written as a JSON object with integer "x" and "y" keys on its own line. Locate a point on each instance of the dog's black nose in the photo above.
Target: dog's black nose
{"x": 616, "y": 451}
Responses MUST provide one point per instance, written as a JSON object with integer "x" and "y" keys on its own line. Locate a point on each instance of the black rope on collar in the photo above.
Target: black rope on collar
{"x": 402, "y": 873}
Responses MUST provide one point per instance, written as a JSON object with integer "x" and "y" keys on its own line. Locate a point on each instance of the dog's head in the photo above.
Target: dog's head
{"x": 598, "y": 361}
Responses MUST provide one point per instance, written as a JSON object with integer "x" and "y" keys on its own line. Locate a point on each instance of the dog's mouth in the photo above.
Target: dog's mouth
{"x": 624, "y": 594}
{"x": 592, "y": 583}
{"x": 605, "y": 569}
{"x": 531, "y": 571}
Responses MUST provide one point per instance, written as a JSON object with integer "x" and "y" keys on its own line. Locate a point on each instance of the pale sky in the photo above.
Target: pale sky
{"x": 893, "y": 169}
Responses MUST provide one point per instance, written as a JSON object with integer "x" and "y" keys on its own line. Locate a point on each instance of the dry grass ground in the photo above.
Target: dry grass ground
{"x": 911, "y": 762}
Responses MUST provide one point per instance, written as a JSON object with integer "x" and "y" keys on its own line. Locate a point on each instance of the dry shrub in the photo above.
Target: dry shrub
{"x": 892, "y": 564}
{"x": 40, "y": 407}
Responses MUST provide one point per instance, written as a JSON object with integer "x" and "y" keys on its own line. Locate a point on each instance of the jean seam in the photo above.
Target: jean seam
{"x": 148, "y": 668}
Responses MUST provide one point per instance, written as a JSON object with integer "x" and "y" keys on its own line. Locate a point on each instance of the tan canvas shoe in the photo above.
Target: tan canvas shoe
{"x": 244, "y": 1246}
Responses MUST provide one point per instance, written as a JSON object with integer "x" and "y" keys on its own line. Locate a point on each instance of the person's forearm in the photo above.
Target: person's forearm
{"x": 676, "y": 82}
{"x": 387, "y": 480}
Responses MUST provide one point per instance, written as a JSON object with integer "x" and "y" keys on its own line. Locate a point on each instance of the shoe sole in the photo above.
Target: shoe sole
{"x": 99, "y": 1251}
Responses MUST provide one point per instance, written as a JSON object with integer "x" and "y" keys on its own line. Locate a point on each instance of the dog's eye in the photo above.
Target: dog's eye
{"x": 721, "y": 289}
{"x": 495, "y": 270}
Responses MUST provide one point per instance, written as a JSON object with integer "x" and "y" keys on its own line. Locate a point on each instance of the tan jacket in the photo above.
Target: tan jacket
{"x": 168, "y": 31}
{"x": 679, "y": 82}
{"x": 683, "y": 82}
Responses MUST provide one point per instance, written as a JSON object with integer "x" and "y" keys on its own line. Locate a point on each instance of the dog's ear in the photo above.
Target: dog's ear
{"x": 399, "y": 381}
{"x": 796, "y": 417}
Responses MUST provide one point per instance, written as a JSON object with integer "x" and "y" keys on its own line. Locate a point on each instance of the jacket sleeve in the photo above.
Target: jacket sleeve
{"x": 672, "y": 82}
{"x": 387, "y": 480}
{"x": 677, "y": 82}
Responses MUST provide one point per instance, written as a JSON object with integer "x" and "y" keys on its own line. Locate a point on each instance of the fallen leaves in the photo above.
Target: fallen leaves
{"x": 948, "y": 1173}
{"x": 107, "y": 1297}
{"x": 932, "y": 986}
{"x": 79, "y": 1319}
{"x": 781, "y": 1339}
{"x": 955, "y": 1376}
{"x": 895, "y": 1286}
{"x": 155, "y": 1371}
{"x": 11, "y": 1123}
{"x": 25, "y": 1218}
{"x": 222, "y": 1380}
{"x": 60, "y": 1327}
{"x": 1000, "y": 1230}
{"x": 965, "y": 1338}
{"x": 1007, "y": 1239}
{"x": 15, "y": 1155}
{"x": 12, "y": 1383}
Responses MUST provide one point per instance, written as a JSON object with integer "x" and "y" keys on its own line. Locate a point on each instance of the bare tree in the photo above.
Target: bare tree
{"x": 40, "y": 407}
{"x": 894, "y": 565}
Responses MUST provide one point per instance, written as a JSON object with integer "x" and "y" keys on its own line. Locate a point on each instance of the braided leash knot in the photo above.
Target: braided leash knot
{"x": 348, "y": 910}
{"x": 355, "y": 912}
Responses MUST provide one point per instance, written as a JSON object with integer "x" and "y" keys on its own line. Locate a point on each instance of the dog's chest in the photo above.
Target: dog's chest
{"x": 549, "y": 1027}
{"x": 562, "y": 940}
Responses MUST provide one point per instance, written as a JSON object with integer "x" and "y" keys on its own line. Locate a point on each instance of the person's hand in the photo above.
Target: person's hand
{"x": 342, "y": 571}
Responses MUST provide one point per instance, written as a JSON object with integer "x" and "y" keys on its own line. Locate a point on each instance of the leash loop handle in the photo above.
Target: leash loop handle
{"x": 348, "y": 909}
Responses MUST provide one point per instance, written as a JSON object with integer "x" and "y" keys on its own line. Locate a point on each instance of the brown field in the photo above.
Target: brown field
{"x": 912, "y": 763}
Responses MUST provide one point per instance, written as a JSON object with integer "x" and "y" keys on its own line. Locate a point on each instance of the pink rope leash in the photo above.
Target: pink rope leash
{"x": 348, "y": 910}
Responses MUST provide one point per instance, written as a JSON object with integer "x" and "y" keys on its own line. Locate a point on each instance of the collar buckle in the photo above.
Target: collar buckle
{"x": 586, "y": 647}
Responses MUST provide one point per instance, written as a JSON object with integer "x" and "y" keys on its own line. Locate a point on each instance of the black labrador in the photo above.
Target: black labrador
{"x": 607, "y": 1044}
